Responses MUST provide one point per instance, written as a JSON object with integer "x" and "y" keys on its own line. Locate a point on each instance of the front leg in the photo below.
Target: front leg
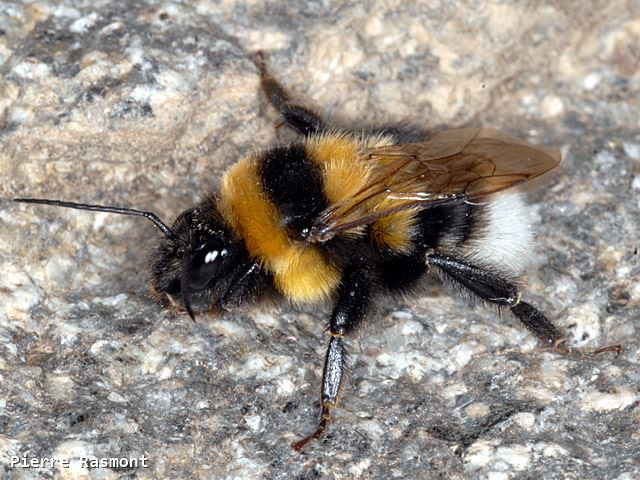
{"x": 354, "y": 296}
{"x": 248, "y": 283}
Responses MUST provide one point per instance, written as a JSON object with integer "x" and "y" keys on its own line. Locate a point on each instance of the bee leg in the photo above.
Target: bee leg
{"x": 301, "y": 119}
{"x": 247, "y": 284}
{"x": 350, "y": 310}
{"x": 493, "y": 288}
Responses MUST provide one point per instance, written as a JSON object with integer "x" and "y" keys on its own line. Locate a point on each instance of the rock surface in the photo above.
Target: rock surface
{"x": 145, "y": 103}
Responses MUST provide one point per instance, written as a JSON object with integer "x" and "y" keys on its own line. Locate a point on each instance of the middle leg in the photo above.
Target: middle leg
{"x": 354, "y": 297}
{"x": 301, "y": 119}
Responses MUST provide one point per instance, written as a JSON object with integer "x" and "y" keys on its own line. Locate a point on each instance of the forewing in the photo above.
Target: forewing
{"x": 455, "y": 164}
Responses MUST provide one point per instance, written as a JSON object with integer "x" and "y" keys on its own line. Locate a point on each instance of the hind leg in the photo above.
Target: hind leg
{"x": 492, "y": 288}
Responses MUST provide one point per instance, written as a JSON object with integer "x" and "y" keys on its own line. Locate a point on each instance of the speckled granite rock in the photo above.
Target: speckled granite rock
{"x": 145, "y": 103}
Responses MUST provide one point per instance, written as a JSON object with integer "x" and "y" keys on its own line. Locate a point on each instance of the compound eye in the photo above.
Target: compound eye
{"x": 203, "y": 267}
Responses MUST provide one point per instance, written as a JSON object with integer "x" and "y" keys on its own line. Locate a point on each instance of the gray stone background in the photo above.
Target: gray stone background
{"x": 145, "y": 103}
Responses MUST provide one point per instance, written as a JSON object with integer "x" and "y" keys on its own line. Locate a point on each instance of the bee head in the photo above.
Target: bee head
{"x": 198, "y": 261}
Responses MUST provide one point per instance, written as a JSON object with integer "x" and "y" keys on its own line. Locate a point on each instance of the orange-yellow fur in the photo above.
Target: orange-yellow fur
{"x": 300, "y": 272}
{"x": 394, "y": 231}
{"x": 345, "y": 174}
{"x": 337, "y": 155}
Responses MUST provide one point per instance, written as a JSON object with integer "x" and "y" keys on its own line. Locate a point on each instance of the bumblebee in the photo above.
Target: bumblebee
{"x": 352, "y": 216}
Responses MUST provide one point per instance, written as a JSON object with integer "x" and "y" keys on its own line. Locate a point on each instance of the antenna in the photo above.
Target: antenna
{"x": 101, "y": 208}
